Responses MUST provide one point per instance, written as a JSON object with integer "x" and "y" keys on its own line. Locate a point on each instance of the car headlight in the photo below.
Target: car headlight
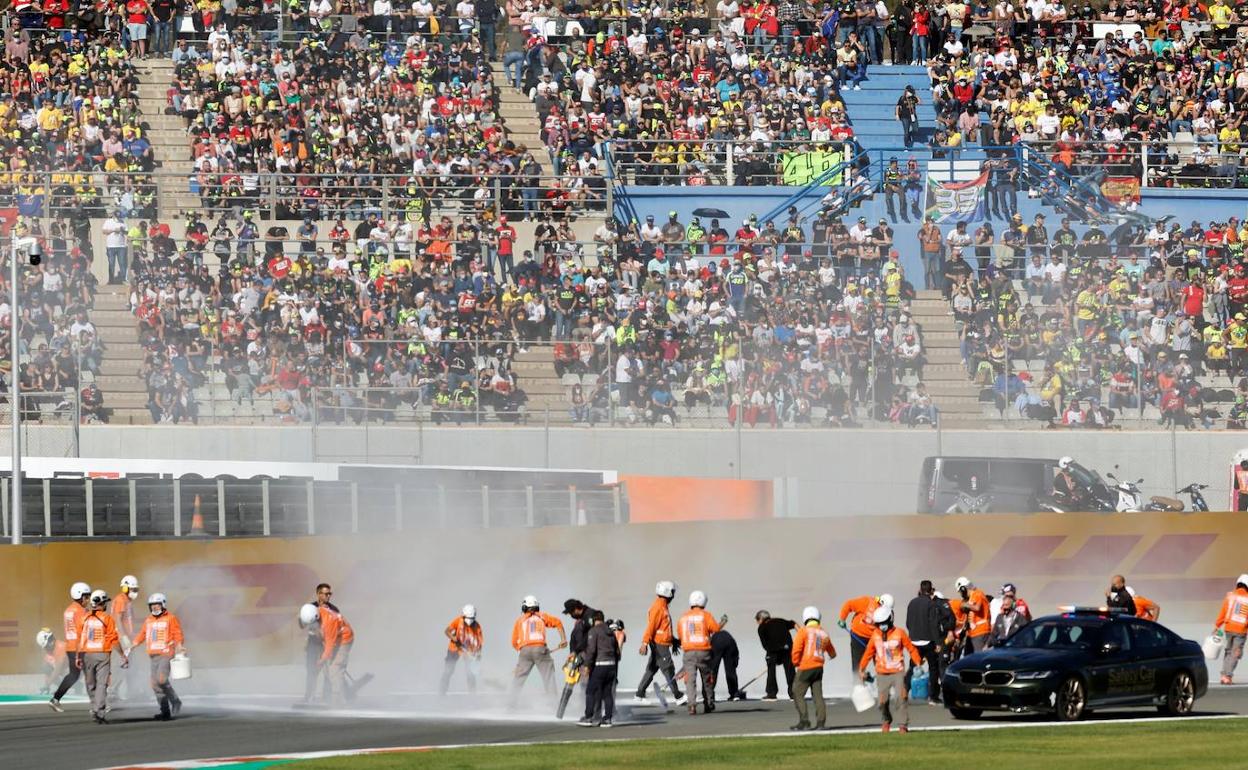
{"x": 1027, "y": 675}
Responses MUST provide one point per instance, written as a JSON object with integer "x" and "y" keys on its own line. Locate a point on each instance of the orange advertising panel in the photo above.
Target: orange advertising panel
{"x": 673, "y": 498}
{"x": 238, "y": 599}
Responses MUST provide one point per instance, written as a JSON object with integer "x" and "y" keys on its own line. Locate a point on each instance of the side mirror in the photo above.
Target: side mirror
{"x": 1110, "y": 647}
{"x": 1111, "y": 477}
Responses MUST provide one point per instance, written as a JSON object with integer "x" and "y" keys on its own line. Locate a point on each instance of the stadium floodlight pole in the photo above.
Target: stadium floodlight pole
{"x": 31, "y": 247}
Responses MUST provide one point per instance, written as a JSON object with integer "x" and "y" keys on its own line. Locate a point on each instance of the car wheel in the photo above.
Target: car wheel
{"x": 1072, "y": 700}
{"x": 1180, "y": 697}
{"x": 958, "y": 713}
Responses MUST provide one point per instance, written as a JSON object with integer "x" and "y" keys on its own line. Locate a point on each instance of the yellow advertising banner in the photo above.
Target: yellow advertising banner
{"x": 802, "y": 168}
{"x": 238, "y": 599}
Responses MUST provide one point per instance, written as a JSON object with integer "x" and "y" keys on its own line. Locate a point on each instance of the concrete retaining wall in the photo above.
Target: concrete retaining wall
{"x": 836, "y": 472}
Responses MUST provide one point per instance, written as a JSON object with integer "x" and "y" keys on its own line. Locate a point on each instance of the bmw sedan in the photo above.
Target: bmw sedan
{"x": 1080, "y": 660}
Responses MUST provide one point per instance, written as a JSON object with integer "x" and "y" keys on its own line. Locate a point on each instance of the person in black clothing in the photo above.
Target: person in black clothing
{"x": 924, "y": 624}
{"x": 487, "y": 18}
{"x": 776, "y": 636}
{"x": 583, "y": 615}
{"x": 724, "y": 649}
{"x": 602, "y": 657}
{"x": 1118, "y": 596}
{"x": 578, "y": 639}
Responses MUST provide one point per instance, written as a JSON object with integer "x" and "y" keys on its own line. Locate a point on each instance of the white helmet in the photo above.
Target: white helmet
{"x": 1065, "y": 462}
{"x": 811, "y": 613}
{"x": 158, "y": 598}
{"x": 99, "y": 598}
{"x": 79, "y": 590}
{"x": 962, "y": 582}
{"x": 308, "y": 614}
{"x": 882, "y": 615}
{"x": 529, "y": 602}
{"x": 469, "y": 612}
{"x": 886, "y": 600}
{"x": 1131, "y": 591}
{"x": 665, "y": 588}
{"x": 129, "y": 584}
{"x": 697, "y": 599}
{"x": 44, "y": 637}
{"x": 1242, "y": 579}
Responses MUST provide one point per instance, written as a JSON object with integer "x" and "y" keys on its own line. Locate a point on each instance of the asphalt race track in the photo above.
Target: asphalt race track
{"x": 32, "y": 736}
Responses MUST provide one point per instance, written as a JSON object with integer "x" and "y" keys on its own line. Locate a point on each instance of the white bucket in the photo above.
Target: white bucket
{"x": 180, "y": 667}
{"x": 861, "y": 697}
{"x": 1213, "y": 646}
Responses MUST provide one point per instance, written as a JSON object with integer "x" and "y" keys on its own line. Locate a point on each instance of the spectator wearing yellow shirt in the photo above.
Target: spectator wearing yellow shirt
{"x": 1229, "y": 137}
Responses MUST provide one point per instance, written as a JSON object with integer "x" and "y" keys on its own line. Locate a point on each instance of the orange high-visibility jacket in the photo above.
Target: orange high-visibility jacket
{"x": 469, "y": 637}
{"x": 57, "y": 656}
{"x": 335, "y": 630}
{"x": 74, "y": 615}
{"x": 695, "y": 629}
{"x": 811, "y": 646}
{"x": 959, "y": 617}
{"x": 888, "y": 651}
{"x": 1234, "y": 615}
{"x": 162, "y": 634}
{"x": 98, "y": 633}
{"x": 980, "y": 625}
{"x": 123, "y": 614}
{"x": 864, "y": 608}
{"x": 531, "y": 628}
{"x": 1144, "y": 606}
{"x": 658, "y": 623}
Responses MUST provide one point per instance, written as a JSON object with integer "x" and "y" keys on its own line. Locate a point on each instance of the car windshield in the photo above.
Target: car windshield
{"x": 1054, "y": 634}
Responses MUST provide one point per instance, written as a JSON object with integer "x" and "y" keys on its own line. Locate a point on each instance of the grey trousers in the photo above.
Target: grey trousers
{"x": 886, "y": 683}
{"x": 96, "y": 667}
{"x": 529, "y": 658}
{"x": 660, "y": 659}
{"x": 697, "y": 664}
{"x": 471, "y": 662}
{"x": 165, "y": 696}
{"x": 336, "y": 672}
{"x": 810, "y": 679}
{"x": 1234, "y": 651}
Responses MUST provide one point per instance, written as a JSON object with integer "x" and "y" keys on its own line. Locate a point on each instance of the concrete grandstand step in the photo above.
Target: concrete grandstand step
{"x": 114, "y": 384}
{"x": 116, "y": 334}
{"x": 113, "y": 366}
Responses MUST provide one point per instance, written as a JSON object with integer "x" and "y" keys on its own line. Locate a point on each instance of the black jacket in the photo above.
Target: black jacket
{"x": 775, "y": 634}
{"x": 601, "y": 646}
{"x": 579, "y": 638}
{"x": 1121, "y": 599}
{"x": 1006, "y": 626}
{"x": 923, "y": 620}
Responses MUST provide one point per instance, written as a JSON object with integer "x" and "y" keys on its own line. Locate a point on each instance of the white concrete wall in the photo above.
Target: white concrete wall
{"x": 838, "y": 472}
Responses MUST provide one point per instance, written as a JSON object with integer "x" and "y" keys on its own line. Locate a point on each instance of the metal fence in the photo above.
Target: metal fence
{"x": 50, "y": 422}
{"x": 195, "y": 507}
{"x": 283, "y": 196}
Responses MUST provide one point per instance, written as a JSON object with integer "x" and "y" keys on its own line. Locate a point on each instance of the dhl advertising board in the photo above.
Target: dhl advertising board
{"x": 238, "y": 599}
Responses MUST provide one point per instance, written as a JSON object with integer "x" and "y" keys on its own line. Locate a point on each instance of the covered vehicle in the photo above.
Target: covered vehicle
{"x": 1001, "y": 484}
{"x": 1080, "y": 660}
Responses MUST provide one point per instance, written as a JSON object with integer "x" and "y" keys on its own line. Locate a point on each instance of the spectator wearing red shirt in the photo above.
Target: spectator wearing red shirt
{"x": 1194, "y": 302}
{"x": 136, "y": 26}
{"x": 506, "y": 250}
{"x": 1237, "y": 290}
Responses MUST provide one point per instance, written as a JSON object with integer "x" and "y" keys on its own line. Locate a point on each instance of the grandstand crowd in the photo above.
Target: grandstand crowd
{"x": 375, "y": 133}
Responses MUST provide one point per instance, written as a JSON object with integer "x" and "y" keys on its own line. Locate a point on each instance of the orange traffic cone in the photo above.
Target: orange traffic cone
{"x": 197, "y": 518}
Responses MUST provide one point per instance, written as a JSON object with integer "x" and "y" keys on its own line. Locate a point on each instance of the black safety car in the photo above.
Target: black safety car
{"x": 1082, "y": 659}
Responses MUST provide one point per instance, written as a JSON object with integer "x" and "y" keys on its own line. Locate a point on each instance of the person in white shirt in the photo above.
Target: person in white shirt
{"x": 466, "y": 14}
{"x": 115, "y": 247}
